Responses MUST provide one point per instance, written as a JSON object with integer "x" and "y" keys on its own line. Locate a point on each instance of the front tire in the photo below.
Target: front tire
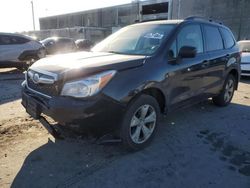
{"x": 140, "y": 122}
{"x": 226, "y": 95}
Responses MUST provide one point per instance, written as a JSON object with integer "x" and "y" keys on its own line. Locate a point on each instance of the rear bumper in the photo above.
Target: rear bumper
{"x": 97, "y": 111}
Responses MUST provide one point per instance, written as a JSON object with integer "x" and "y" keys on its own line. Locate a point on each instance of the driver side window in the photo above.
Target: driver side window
{"x": 190, "y": 36}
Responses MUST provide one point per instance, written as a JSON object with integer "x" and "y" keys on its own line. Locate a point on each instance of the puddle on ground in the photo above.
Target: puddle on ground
{"x": 239, "y": 160}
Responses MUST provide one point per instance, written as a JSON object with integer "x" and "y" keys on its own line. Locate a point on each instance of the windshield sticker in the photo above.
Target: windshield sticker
{"x": 154, "y": 36}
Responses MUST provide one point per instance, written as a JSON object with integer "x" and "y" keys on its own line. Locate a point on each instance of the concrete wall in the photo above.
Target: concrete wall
{"x": 92, "y": 33}
{"x": 105, "y": 17}
{"x": 233, "y": 13}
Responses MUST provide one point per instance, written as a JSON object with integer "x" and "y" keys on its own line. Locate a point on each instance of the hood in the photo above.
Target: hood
{"x": 245, "y": 57}
{"x": 85, "y": 63}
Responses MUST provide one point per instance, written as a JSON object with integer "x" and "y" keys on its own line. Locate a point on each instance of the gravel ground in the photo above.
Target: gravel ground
{"x": 202, "y": 146}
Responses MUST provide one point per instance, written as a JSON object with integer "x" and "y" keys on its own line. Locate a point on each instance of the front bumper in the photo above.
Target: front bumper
{"x": 99, "y": 110}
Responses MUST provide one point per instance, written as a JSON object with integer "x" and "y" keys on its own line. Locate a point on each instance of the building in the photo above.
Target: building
{"x": 233, "y": 13}
{"x": 116, "y": 16}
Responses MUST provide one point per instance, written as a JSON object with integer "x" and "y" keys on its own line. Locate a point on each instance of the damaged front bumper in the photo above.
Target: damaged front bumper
{"x": 100, "y": 110}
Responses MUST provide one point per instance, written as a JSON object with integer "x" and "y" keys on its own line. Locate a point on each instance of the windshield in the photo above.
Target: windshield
{"x": 244, "y": 46}
{"x": 135, "y": 40}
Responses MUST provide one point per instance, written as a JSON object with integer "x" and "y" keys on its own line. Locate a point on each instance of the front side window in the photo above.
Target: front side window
{"x": 213, "y": 38}
{"x": 135, "y": 40}
{"x": 19, "y": 40}
{"x": 190, "y": 36}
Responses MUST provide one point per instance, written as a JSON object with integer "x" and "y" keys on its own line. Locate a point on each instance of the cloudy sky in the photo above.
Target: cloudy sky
{"x": 16, "y": 15}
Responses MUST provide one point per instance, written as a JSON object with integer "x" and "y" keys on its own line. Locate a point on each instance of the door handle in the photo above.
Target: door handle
{"x": 205, "y": 64}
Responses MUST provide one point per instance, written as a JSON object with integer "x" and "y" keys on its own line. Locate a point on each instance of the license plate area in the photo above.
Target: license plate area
{"x": 32, "y": 107}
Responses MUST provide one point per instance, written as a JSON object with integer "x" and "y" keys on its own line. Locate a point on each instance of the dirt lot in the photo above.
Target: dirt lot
{"x": 203, "y": 146}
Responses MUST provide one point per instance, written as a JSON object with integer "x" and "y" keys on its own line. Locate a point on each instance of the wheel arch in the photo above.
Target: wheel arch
{"x": 155, "y": 93}
{"x": 235, "y": 73}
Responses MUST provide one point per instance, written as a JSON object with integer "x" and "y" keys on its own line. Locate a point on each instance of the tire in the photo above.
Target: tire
{"x": 226, "y": 95}
{"x": 135, "y": 132}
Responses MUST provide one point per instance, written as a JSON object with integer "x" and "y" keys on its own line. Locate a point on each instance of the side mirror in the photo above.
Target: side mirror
{"x": 187, "y": 52}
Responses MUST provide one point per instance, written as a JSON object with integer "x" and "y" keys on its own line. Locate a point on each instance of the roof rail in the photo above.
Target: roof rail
{"x": 203, "y": 19}
{"x": 150, "y": 20}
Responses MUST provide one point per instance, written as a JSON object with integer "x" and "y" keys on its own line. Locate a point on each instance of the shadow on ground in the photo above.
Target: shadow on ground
{"x": 203, "y": 146}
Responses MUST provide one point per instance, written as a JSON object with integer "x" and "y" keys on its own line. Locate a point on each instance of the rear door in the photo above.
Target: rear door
{"x": 218, "y": 57}
{"x": 186, "y": 76}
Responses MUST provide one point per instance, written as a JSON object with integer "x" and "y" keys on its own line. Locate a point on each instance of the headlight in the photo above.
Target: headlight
{"x": 87, "y": 86}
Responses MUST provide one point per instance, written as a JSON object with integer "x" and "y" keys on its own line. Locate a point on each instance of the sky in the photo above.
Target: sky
{"x": 16, "y": 15}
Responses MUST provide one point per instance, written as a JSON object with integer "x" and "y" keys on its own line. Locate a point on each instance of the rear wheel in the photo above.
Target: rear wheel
{"x": 140, "y": 122}
{"x": 226, "y": 95}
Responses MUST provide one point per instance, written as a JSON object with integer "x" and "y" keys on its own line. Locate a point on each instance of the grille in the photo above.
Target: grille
{"x": 47, "y": 89}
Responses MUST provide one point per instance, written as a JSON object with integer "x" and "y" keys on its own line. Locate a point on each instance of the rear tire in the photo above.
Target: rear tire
{"x": 140, "y": 122}
{"x": 226, "y": 95}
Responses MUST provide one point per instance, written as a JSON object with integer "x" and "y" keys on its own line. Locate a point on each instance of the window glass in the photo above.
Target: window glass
{"x": 156, "y": 8}
{"x": 228, "y": 38}
{"x": 190, "y": 36}
{"x": 18, "y": 40}
{"x": 5, "y": 40}
{"x": 213, "y": 38}
{"x": 12, "y": 40}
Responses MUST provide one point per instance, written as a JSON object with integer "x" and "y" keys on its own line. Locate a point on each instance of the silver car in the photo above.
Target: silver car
{"x": 245, "y": 57}
{"x": 16, "y": 50}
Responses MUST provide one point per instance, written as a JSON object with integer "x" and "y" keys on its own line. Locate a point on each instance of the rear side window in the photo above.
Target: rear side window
{"x": 190, "y": 36}
{"x": 228, "y": 38}
{"x": 213, "y": 38}
{"x": 19, "y": 40}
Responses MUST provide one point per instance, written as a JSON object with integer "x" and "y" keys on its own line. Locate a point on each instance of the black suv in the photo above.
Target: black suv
{"x": 129, "y": 79}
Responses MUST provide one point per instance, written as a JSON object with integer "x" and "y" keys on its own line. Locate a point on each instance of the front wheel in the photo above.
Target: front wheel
{"x": 226, "y": 95}
{"x": 140, "y": 122}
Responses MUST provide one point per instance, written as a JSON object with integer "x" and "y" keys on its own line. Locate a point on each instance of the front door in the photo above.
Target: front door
{"x": 185, "y": 77}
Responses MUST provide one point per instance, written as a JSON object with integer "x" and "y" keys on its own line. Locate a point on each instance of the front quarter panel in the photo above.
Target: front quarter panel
{"x": 131, "y": 82}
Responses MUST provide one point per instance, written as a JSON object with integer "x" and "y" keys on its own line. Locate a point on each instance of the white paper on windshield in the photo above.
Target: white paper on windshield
{"x": 154, "y": 36}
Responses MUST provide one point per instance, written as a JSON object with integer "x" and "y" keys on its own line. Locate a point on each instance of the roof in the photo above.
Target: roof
{"x": 191, "y": 19}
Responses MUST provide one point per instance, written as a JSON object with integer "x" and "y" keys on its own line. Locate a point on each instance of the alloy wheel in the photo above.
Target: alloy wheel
{"x": 229, "y": 90}
{"x": 142, "y": 124}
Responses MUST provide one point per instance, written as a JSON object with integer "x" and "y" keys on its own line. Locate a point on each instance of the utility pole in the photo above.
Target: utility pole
{"x": 33, "y": 15}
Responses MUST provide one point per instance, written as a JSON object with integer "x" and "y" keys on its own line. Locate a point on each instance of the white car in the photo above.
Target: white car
{"x": 16, "y": 50}
{"x": 245, "y": 57}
